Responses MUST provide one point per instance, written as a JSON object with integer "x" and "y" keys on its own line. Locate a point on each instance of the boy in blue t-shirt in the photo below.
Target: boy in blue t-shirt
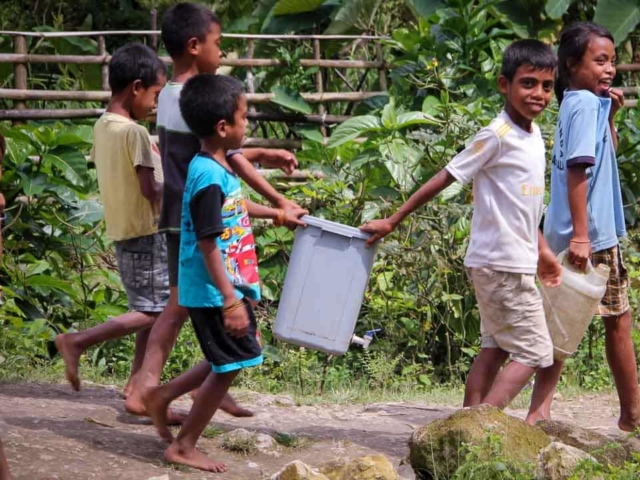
{"x": 218, "y": 274}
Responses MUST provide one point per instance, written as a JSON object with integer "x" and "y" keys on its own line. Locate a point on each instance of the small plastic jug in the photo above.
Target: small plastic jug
{"x": 570, "y": 306}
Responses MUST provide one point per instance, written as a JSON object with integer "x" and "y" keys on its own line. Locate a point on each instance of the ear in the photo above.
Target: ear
{"x": 503, "y": 84}
{"x": 193, "y": 45}
{"x": 136, "y": 86}
{"x": 221, "y": 128}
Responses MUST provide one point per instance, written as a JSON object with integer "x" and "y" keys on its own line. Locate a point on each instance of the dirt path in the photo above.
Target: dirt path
{"x": 51, "y": 432}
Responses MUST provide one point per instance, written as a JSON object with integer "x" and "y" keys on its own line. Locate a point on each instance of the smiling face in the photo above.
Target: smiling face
{"x": 596, "y": 69}
{"x": 528, "y": 93}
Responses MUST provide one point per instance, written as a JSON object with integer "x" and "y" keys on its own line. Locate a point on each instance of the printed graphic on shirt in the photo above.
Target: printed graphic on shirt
{"x": 237, "y": 242}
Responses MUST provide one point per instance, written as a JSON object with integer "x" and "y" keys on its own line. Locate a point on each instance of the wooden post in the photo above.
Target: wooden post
{"x": 104, "y": 69}
{"x": 319, "y": 86}
{"x": 154, "y": 26}
{"x": 250, "y": 85}
{"x": 20, "y": 69}
{"x": 382, "y": 74}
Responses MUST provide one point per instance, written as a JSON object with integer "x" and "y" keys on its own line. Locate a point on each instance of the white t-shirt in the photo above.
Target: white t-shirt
{"x": 507, "y": 165}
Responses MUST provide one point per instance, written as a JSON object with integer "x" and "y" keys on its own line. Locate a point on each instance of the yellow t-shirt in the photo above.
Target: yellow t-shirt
{"x": 119, "y": 146}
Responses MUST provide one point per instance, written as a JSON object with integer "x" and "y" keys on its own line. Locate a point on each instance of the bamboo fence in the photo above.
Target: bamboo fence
{"x": 326, "y": 102}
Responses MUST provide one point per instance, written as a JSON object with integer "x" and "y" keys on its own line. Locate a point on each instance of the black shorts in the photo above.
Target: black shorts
{"x": 224, "y": 352}
{"x": 173, "y": 257}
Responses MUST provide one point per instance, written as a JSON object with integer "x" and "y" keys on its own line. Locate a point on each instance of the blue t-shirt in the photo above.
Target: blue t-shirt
{"x": 213, "y": 206}
{"x": 583, "y": 136}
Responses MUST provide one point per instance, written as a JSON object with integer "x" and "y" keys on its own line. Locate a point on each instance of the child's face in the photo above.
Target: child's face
{"x": 596, "y": 69}
{"x": 237, "y": 131}
{"x": 208, "y": 53}
{"x": 530, "y": 91}
{"x": 146, "y": 99}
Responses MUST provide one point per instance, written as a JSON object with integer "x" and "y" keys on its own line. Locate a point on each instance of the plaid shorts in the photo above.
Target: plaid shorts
{"x": 615, "y": 301}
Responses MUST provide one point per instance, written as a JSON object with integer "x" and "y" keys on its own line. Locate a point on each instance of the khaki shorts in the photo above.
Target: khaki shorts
{"x": 615, "y": 301}
{"x": 512, "y": 316}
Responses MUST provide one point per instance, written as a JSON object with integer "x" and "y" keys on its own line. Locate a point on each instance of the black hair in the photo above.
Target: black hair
{"x": 573, "y": 44}
{"x": 527, "y": 52}
{"x": 183, "y": 22}
{"x": 207, "y": 99}
{"x": 132, "y": 62}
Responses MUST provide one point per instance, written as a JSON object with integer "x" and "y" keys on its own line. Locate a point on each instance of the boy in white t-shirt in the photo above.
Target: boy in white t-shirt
{"x": 506, "y": 160}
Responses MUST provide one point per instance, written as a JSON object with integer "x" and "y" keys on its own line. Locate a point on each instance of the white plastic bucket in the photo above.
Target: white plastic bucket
{"x": 570, "y": 306}
{"x": 324, "y": 287}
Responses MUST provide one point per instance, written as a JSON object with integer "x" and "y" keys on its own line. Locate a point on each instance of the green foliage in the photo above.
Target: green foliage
{"x": 487, "y": 462}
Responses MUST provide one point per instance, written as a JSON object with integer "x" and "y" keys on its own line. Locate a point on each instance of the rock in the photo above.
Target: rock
{"x": 371, "y": 467}
{"x": 557, "y": 461}
{"x": 436, "y": 449}
{"x": 297, "y": 470}
{"x": 277, "y": 400}
{"x": 603, "y": 448}
{"x": 244, "y": 439}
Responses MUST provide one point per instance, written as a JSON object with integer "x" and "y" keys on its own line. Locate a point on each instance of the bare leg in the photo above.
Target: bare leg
{"x": 158, "y": 399}
{"x": 162, "y": 337}
{"x": 622, "y": 361}
{"x": 509, "y": 382}
{"x": 229, "y": 406}
{"x": 5, "y": 474}
{"x": 543, "y": 390}
{"x": 183, "y": 449}
{"x": 483, "y": 372}
{"x": 141, "y": 347}
{"x": 72, "y": 345}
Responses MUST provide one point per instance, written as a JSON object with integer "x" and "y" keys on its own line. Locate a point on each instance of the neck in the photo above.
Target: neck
{"x": 183, "y": 70}
{"x": 119, "y": 104}
{"x": 213, "y": 147}
{"x": 524, "y": 123}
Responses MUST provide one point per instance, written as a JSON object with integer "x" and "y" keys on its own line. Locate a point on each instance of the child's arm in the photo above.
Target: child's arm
{"x": 549, "y": 269}
{"x": 151, "y": 190}
{"x": 617, "y": 101}
{"x": 288, "y": 217}
{"x": 383, "y": 227}
{"x": 580, "y": 245}
{"x": 249, "y": 174}
{"x": 237, "y": 321}
{"x": 272, "y": 158}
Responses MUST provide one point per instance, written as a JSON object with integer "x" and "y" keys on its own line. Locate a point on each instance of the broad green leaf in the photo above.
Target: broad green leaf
{"x": 72, "y": 164}
{"x": 430, "y": 105}
{"x": 33, "y": 184}
{"x": 77, "y": 136}
{"x": 50, "y": 282}
{"x": 557, "y": 8}
{"x": 389, "y": 114}
{"x": 353, "y": 128}
{"x": 311, "y": 133}
{"x": 451, "y": 191}
{"x": 353, "y": 15}
{"x": 290, "y": 7}
{"x": 290, "y": 99}
{"x": 370, "y": 211}
{"x": 425, "y": 8}
{"x": 415, "y": 118}
{"x": 402, "y": 161}
{"x": 620, "y": 17}
{"x": 88, "y": 212}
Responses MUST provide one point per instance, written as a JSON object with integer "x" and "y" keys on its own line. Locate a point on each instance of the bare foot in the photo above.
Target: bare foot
{"x": 71, "y": 358}
{"x": 628, "y": 425}
{"x": 534, "y": 418}
{"x": 230, "y": 406}
{"x": 158, "y": 409}
{"x": 193, "y": 458}
{"x": 135, "y": 405}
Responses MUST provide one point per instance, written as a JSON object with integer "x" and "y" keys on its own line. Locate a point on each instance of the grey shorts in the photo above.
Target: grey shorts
{"x": 142, "y": 263}
{"x": 173, "y": 249}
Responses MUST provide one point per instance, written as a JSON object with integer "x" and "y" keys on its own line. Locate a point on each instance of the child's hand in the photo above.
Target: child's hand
{"x": 236, "y": 323}
{"x": 579, "y": 253}
{"x": 286, "y": 204}
{"x": 549, "y": 269}
{"x": 617, "y": 100}
{"x": 282, "y": 159}
{"x": 291, "y": 218}
{"x": 378, "y": 229}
